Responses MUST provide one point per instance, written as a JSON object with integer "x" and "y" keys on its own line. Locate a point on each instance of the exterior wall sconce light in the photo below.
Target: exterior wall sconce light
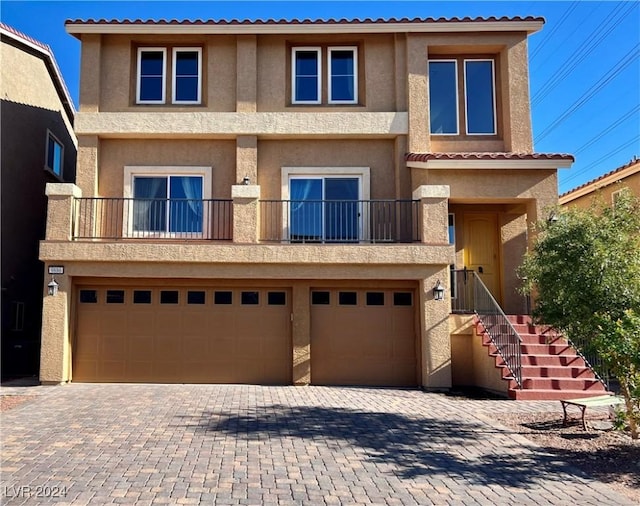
{"x": 52, "y": 287}
{"x": 438, "y": 291}
{"x": 246, "y": 181}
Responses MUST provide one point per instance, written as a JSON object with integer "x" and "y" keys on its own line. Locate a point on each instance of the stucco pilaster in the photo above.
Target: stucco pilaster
{"x": 247, "y": 158}
{"x": 417, "y": 95}
{"x": 87, "y": 166}
{"x": 301, "y": 335}
{"x": 515, "y": 103}
{"x": 245, "y": 213}
{"x": 55, "y": 350}
{"x": 434, "y": 212}
{"x": 434, "y": 332}
{"x": 90, "y": 73}
{"x": 246, "y": 80}
{"x": 60, "y": 210}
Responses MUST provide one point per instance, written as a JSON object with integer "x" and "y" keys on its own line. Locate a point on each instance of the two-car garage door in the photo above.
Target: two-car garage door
{"x": 183, "y": 335}
{"x": 358, "y": 336}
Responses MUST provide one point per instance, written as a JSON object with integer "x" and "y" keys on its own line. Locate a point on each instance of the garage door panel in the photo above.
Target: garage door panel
{"x": 197, "y": 339}
{"x": 370, "y": 342}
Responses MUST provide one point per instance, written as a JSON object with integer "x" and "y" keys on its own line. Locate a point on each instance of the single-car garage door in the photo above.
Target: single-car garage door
{"x": 363, "y": 337}
{"x": 183, "y": 335}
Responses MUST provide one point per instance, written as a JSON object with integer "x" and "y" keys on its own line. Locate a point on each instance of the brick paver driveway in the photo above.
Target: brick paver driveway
{"x": 208, "y": 444}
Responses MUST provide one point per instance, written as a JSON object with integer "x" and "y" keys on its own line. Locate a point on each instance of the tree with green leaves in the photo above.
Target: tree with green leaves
{"x": 584, "y": 272}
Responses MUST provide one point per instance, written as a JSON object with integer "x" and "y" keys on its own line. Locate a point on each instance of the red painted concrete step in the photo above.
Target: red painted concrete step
{"x": 551, "y": 368}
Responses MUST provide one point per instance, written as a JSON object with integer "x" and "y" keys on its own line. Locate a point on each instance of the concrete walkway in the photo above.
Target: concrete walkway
{"x": 219, "y": 444}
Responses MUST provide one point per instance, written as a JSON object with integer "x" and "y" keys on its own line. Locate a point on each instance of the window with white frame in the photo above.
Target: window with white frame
{"x": 343, "y": 75}
{"x": 187, "y": 69}
{"x": 167, "y": 201}
{"x": 325, "y": 204}
{"x": 306, "y": 75}
{"x": 151, "y": 75}
{"x": 307, "y": 79}
{"x": 186, "y": 75}
{"x": 476, "y": 92}
{"x": 54, "y": 155}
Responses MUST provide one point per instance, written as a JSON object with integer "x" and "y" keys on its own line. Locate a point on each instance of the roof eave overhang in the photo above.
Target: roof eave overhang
{"x": 598, "y": 184}
{"x": 491, "y": 164}
{"x": 529, "y": 26}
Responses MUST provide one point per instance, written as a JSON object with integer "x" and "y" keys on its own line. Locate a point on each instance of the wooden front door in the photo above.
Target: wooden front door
{"x": 482, "y": 248}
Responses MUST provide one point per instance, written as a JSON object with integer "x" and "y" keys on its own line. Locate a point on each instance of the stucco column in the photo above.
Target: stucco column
{"x": 55, "y": 349}
{"x": 246, "y": 79}
{"x": 87, "y": 166}
{"x": 434, "y": 213}
{"x": 60, "y": 210}
{"x": 417, "y": 95}
{"x": 247, "y": 158}
{"x": 301, "y": 335}
{"x": 434, "y": 332}
{"x": 245, "y": 213}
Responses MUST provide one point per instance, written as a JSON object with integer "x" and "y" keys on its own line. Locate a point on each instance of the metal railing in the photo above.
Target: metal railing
{"x": 128, "y": 218}
{"x": 470, "y": 295}
{"x": 340, "y": 221}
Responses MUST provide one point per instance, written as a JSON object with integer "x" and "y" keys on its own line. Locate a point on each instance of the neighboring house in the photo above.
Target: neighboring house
{"x": 606, "y": 187}
{"x": 275, "y": 201}
{"x": 37, "y": 146}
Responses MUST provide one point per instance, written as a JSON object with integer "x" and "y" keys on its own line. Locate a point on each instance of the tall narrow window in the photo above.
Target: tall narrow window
{"x": 443, "y": 97}
{"x": 151, "y": 75}
{"x": 54, "y": 155}
{"x": 306, "y": 75}
{"x": 343, "y": 77}
{"x": 187, "y": 64}
{"x": 480, "y": 97}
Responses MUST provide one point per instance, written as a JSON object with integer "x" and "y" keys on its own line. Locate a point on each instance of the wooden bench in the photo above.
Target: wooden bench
{"x": 586, "y": 402}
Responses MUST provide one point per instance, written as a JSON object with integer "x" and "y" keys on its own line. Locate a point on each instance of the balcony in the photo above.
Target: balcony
{"x": 173, "y": 219}
{"x": 339, "y": 221}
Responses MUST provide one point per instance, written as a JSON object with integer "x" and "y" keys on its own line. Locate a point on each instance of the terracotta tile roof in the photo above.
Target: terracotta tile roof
{"x": 47, "y": 52}
{"x": 634, "y": 161}
{"x": 424, "y": 157}
{"x": 290, "y": 22}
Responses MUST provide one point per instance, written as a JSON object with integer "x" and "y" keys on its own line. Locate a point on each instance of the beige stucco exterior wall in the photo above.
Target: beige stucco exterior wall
{"x": 25, "y": 79}
{"x": 116, "y": 153}
{"x": 471, "y": 363}
{"x": 379, "y": 155}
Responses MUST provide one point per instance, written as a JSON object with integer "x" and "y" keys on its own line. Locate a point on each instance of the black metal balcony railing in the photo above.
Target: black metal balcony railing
{"x": 343, "y": 221}
{"x": 128, "y": 218}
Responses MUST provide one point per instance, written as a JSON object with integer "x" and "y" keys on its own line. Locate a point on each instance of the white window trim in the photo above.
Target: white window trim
{"x": 131, "y": 171}
{"x": 318, "y": 52}
{"x": 162, "y": 50}
{"x": 51, "y": 170}
{"x": 455, "y": 69}
{"x": 362, "y": 173}
{"x": 493, "y": 89}
{"x": 174, "y": 76}
{"x": 354, "y": 50}
{"x": 615, "y": 195}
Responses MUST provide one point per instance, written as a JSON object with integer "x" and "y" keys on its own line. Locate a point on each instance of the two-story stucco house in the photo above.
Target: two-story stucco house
{"x": 37, "y": 146}
{"x": 280, "y": 202}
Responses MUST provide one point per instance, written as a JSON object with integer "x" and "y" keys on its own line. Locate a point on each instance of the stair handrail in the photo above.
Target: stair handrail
{"x": 497, "y": 326}
{"x": 592, "y": 362}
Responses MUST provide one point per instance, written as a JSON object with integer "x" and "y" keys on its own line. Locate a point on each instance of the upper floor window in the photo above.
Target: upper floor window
{"x": 341, "y": 80}
{"x": 476, "y": 91}
{"x": 186, "y": 75}
{"x": 187, "y": 69}
{"x": 55, "y": 153}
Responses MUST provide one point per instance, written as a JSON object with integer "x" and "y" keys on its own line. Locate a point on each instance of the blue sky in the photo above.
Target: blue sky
{"x": 584, "y": 64}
